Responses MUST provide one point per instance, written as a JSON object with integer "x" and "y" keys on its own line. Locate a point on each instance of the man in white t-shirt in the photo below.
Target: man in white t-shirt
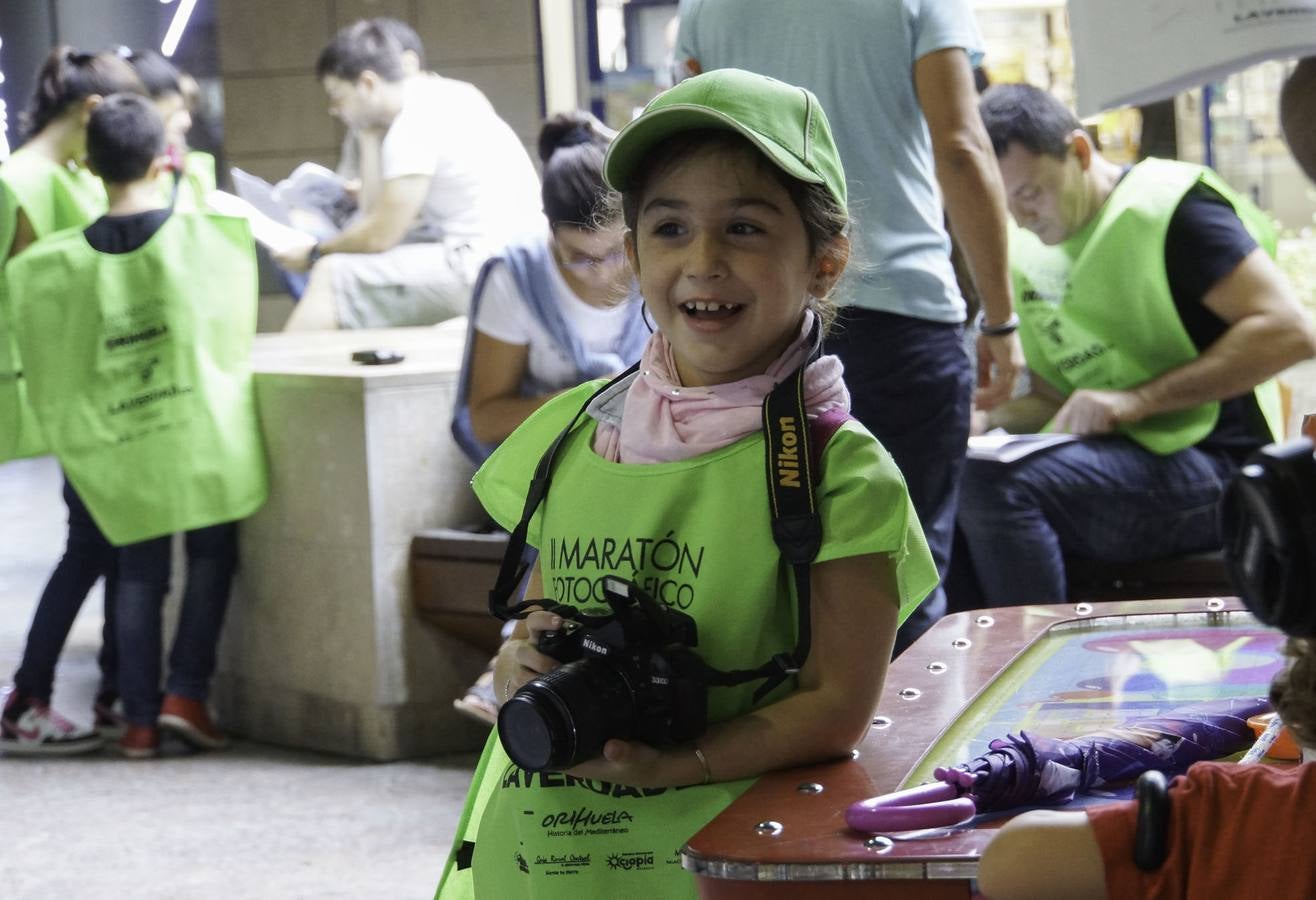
{"x": 444, "y": 183}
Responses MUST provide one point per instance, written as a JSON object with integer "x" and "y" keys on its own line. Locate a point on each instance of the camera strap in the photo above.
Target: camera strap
{"x": 796, "y": 524}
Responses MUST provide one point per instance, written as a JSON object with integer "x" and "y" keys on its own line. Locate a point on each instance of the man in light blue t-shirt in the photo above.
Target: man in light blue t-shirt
{"x": 895, "y": 78}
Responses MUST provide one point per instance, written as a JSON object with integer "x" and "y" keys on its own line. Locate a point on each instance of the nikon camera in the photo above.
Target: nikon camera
{"x": 627, "y": 672}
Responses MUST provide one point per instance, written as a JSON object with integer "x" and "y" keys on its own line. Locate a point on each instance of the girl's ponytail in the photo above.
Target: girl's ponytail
{"x": 68, "y": 76}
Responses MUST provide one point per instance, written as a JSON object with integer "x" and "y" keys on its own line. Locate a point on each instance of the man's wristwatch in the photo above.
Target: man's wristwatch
{"x": 314, "y": 255}
{"x": 1009, "y": 326}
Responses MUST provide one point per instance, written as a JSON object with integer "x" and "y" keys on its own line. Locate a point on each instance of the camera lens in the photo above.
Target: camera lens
{"x": 563, "y": 718}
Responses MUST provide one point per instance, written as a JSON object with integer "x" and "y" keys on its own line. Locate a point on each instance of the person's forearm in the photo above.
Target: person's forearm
{"x": 802, "y": 728}
{"x": 365, "y": 235}
{"x": 1252, "y": 351}
{"x": 493, "y": 420}
{"x": 975, "y": 204}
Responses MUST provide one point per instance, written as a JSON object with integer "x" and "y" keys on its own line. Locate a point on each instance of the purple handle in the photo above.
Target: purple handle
{"x": 926, "y": 806}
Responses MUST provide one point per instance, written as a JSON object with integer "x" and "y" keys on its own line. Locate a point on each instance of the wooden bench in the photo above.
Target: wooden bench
{"x": 451, "y": 574}
{"x": 1192, "y": 575}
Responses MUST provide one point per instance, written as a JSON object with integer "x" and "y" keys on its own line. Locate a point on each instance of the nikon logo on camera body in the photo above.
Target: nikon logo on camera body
{"x": 788, "y": 457}
{"x": 594, "y": 646}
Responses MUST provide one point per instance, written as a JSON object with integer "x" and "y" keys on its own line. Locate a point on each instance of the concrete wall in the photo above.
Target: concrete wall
{"x": 275, "y": 112}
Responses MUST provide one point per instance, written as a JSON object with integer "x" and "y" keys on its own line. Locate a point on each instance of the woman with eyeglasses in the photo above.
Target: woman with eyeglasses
{"x": 551, "y": 311}
{"x": 554, "y": 309}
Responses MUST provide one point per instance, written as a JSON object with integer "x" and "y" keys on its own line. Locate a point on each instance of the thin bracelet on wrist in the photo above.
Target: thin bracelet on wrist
{"x": 1009, "y": 326}
{"x": 703, "y": 764}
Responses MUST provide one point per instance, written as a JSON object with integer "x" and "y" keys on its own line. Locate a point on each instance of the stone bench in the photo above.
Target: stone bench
{"x": 322, "y": 648}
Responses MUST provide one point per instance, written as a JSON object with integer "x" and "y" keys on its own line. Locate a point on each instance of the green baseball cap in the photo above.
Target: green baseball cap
{"x": 783, "y": 121}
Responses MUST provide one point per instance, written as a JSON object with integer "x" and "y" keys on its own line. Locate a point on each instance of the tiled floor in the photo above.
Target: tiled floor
{"x": 253, "y": 822}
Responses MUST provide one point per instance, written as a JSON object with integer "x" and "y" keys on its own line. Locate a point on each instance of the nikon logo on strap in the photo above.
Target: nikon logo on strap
{"x": 788, "y": 454}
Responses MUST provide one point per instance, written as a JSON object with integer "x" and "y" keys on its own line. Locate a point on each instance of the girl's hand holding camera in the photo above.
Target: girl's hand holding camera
{"x": 519, "y": 659}
{"x": 622, "y": 762}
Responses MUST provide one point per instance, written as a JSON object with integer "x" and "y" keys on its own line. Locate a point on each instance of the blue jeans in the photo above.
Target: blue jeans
{"x": 87, "y": 557}
{"x": 911, "y": 386}
{"x": 1102, "y": 498}
{"x": 142, "y": 585}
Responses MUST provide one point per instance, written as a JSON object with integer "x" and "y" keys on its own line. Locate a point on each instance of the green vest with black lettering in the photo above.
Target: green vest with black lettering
{"x": 697, "y": 534}
{"x": 1096, "y": 311}
{"x": 139, "y": 370}
{"x": 52, "y": 197}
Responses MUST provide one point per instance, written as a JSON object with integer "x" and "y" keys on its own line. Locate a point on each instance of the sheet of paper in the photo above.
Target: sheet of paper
{"x": 1138, "y": 51}
{"x": 275, "y": 236}
{"x": 259, "y": 193}
{"x": 1000, "y": 446}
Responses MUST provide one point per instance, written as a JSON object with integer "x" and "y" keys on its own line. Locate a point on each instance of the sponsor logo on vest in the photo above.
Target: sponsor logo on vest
{"x": 631, "y": 861}
{"x": 563, "y": 859}
{"x": 788, "y": 458}
{"x": 1086, "y": 355}
{"x": 134, "y": 403}
{"x": 136, "y": 337}
{"x": 1257, "y": 15}
{"x": 521, "y": 863}
{"x": 585, "y": 818}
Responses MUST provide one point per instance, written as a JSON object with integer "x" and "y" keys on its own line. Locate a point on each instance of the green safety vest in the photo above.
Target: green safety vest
{"x": 139, "y": 368}
{"x": 195, "y": 185}
{"x": 52, "y": 197}
{"x": 1096, "y": 311}
{"x": 696, "y": 534}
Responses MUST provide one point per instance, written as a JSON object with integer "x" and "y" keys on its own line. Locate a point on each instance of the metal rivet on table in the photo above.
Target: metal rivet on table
{"x": 1083, "y": 609}
{"x": 810, "y": 787}
{"x": 881, "y": 722}
{"x": 910, "y": 693}
{"x": 936, "y": 668}
{"x": 961, "y": 643}
{"x": 1215, "y": 604}
{"x": 854, "y": 754}
{"x": 984, "y": 621}
{"x": 879, "y": 844}
{"x": 770, "y": 829}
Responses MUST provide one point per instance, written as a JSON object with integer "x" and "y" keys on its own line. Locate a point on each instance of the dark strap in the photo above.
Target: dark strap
{"x": 512, "y": 570}
{"x": 1151, "y": 838}
{"x": 791, "y": 455}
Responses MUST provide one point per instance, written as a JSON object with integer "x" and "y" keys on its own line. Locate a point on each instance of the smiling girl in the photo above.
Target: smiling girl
{"x": 734, "y": 200}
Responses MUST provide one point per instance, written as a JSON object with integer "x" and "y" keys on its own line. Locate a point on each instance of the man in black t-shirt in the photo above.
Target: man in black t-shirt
{"x": 1164, "y": 414}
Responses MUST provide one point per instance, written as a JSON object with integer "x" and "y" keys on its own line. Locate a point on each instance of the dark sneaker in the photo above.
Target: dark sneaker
{"x": 190, "y": 720}
{"x": 31, "y": 728}
{"x": 480, "y": 702}
{"x": 108, "y": 718}
{"x": 140, "y": 742}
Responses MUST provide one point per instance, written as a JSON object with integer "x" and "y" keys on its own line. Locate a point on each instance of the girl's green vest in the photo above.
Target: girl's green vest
{"x": 52, "y": 197}
{"x": 1096, "y": 310}
{"x": 139, "y": 370}
{"x": 697, "y": 534}
{"x": 195, "y": 184}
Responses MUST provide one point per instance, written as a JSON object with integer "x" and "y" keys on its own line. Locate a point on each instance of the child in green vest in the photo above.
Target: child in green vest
{"x": 136, "y": 333}
{"x": 190, "y": 174}
{"x": 44, "y": 188}
{"x": 734, "y": 200}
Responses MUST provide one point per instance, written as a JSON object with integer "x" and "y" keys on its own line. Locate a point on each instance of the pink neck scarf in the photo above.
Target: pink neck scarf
{"x": 663, "y": 421}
